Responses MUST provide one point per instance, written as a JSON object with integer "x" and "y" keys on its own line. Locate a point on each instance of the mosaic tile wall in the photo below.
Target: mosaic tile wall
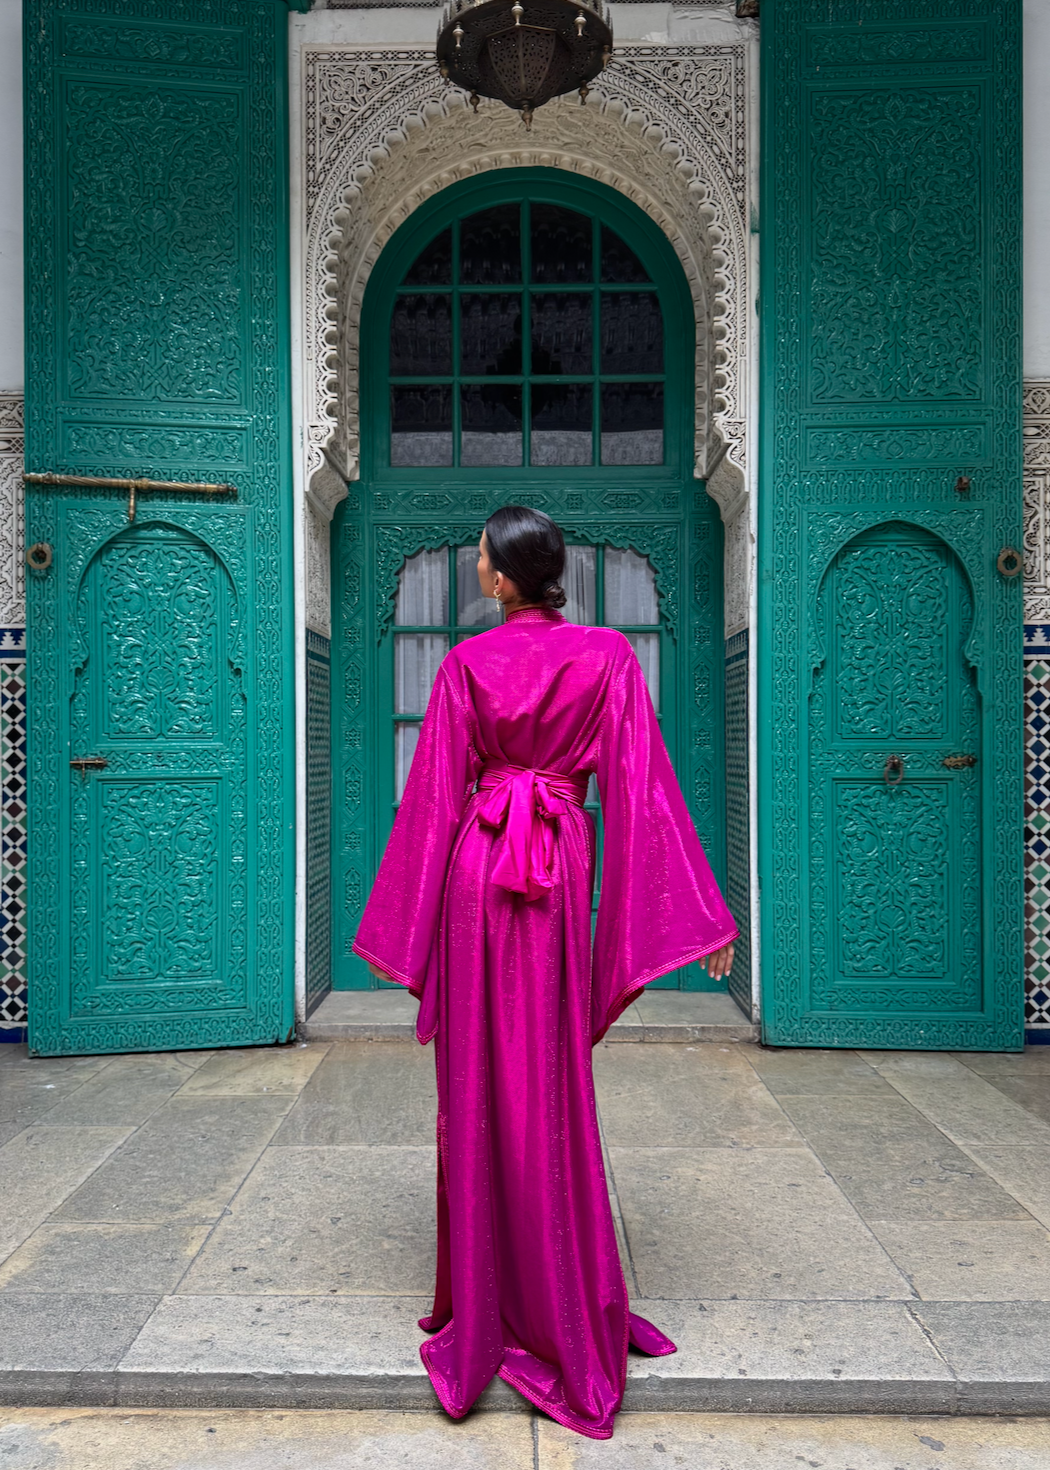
{"x": 318, "y": 818}
{"x": 12, "y": 724}
{"x": 1037, "y": 829}
{"x": 738, "y": 847}
{"x": 1037, "y": 709}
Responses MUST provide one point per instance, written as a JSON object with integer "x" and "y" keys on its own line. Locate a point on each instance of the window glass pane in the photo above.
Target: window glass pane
{"x": 422, "y": 597}
{"x": 472, "y": 610}
{"x": 421, "y": 425}
{"x": 632, "y": 423}
{"x": 490, "y": 247}
{"x": 491, "y": 425}
{"x": 578, "y": 583}
{"x": 632, "y": 333}
{"x": 406, "y": 738}
{"x": 630, "y": 589}
{"x": 490, "y": 335}
{"x": 561, "y": 245}
{"x": 432, "y": 266}
{"x": 417, "y": 658}
{"x": 561, "y": 334}
{"x": 647, "y": 647}
{"x": 561, "y": 424}
{"x": 620, "y": 265}
{"x": 421, "y": 337}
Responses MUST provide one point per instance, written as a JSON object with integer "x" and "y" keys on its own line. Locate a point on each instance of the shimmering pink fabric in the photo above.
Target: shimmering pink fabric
{"x": 529, "y": 1283}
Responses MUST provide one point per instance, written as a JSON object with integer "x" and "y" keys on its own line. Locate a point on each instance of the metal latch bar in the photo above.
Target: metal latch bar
{"x": 133, "y": 487}
{"x": 85, "y": 763}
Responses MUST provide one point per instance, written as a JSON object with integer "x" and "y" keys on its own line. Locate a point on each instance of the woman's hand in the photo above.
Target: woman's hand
{"x": 719, "y": 964}
{"x": 379, "y": 974}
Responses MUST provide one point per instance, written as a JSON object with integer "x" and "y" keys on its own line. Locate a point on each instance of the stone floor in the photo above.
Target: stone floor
{"x": 245, "y": 1439}
{"x": 819, "y": 1231}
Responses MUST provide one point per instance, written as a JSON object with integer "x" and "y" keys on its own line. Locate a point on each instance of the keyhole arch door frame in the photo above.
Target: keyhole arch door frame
{"x": 896, "y": 906}
{"x": 659, "y": 511}
{"x": 788, "y": 1018}
{"x": 91, "y": 1008}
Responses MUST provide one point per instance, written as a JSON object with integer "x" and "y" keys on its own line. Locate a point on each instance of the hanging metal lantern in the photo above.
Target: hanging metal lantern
{"x": 523, "y": 52}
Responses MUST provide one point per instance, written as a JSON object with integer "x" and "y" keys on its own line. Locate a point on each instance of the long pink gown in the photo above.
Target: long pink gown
{"x": 482, "y": 908}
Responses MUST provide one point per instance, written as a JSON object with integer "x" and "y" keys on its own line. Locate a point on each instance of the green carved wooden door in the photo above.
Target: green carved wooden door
{"x": 160, "y": 644}
{"x": 525, "y": 338}
{"x": 890, "y": 622}
{"x": 894, "y": 751}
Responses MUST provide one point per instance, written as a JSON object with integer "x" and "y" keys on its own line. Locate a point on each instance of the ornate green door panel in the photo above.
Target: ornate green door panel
{"x": 160, "y": 648}
{"x": 889, "y": 650}
{"x": 895, "y": 901}
{"x": 157, "y": 838}
{"x": 586, "y": 412}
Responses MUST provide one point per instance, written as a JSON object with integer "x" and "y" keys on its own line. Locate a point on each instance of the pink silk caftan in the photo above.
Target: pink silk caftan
{"x": 482, "y": 908}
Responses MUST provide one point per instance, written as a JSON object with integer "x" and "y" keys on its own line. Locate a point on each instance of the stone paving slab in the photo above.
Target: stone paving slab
{"x": 185, "y": 1163}
{"x": 753, "y": 1442}
{"x": 40, "y": 1167}
{"x": 761, "y": 1223}
{"x": 998, "y": 1351}
{"x": 326, "y": 1220}
{"x": 357, "y": 1097}
{"x": 32, "y": 1439}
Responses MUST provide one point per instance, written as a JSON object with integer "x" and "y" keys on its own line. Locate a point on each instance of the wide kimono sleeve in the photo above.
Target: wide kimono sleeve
{"x": 401, "y": 917}
{"x": 660, "y": 905}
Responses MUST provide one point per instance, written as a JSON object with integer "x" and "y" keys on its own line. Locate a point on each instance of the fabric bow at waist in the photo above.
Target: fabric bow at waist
{"x": 529, "y": 802}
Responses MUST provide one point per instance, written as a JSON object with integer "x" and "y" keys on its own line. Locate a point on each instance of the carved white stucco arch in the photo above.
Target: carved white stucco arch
{"x": 383, "y": 133}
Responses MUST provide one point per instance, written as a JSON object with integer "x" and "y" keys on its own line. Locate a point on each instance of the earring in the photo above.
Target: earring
{"x": 498, "y": 595}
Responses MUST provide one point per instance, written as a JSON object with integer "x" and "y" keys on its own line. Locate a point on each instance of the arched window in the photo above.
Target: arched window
{"x": 526, "y": 334}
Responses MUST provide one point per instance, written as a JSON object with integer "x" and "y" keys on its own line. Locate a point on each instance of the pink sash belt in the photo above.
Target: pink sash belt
{"x": 529, "y": 803}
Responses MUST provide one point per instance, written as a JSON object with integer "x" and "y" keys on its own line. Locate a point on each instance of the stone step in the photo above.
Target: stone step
{"x": 270, "y": 1351}
{"x": 660, "y": 1015}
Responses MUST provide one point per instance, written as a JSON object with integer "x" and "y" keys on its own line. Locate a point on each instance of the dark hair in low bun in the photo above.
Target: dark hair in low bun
{"x": 526, "y": 546}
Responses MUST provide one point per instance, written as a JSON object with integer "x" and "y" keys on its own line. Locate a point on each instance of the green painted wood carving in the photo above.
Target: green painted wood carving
{"x": 526, "y": 337}
{"x": 161, "y": 872}
{"x": 889, "y": 654}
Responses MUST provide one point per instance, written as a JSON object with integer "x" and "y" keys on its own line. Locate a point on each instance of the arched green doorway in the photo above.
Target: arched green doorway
{"x": 526, "y": 336}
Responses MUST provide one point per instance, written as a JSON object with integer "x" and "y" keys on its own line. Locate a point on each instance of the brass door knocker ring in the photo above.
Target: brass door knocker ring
{"x": 893, "y": 770}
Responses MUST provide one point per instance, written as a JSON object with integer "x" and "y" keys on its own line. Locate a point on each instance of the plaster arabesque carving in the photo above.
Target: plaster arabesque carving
{"x": 667, "y": 127}
{"x": 12, "y": 535}
{"x": 1037, "y": 502}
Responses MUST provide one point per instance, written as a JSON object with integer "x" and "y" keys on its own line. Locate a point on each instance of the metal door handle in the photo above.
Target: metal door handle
{"x": 959, "y": 762}
{"x": 893, "y": 770}
{"x": 85, "y": 763}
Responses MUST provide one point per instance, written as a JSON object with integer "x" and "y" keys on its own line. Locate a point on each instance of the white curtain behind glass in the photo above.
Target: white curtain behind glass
{"x": 630, "y": 589}
{"x": 406, "y": 740}
{"x": 631, "y": 599}
{"x": 417, "y": 658}
{"x": 578, "y": 584}
{"x": 422, "y": 601}
{"x": 422, "y": 594}
{"x": 647, "y": 647}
